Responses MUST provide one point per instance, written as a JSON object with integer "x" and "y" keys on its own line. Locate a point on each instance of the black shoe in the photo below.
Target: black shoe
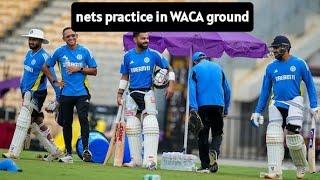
{"x": 86, "y": 156}
{"x": 213, "y": 167}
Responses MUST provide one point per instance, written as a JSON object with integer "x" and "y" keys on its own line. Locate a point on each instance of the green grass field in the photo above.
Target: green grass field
{"x": 35, "y": 169}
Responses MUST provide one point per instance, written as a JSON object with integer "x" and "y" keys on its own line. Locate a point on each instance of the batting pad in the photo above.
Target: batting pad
{"x": 297, "y": 149}
{"x": 151, "y": 139}
{"x": 42, "y": 137}
{"x": 20, "y": 133}
{"x": 133, "y": 129}
{"x": 275, "y": 149}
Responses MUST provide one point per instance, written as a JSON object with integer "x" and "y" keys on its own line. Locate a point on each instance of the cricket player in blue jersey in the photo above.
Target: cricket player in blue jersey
{"x": 34, "y": 91}
{"x": 75, "y": 62}
{"x": 137, "y": 72}
{"x": 209, "y": 94}
{"x": 284, "y": 76}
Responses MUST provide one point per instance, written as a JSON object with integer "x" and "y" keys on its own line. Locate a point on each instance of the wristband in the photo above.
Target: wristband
{"x": 172, "y": 76}
{"x": 123, "y": 84}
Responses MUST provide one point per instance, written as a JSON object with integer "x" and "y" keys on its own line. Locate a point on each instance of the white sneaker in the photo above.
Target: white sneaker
{"x": 300, "y": 172}
{"x": 52, "y": 157}
{"x": 9, "y": 155}
{"x": 66, "y": 159}
{"x": 152, "y": 166}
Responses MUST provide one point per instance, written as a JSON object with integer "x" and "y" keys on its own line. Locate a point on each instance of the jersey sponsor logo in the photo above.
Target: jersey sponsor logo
{"x": 140, "y": 69}
{"x": 146, "y": 60}
{"x": 292, "y": 68}
{"x": 28, "y": 68}
{"x": 285, "y": 77}
{"x": 68, "y": 63}
{"x": 33, "y": 62}
{"x": 79, "y": 57}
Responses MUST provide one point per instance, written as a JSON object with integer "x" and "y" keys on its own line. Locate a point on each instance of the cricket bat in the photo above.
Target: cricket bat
{"x": 113, "y": 138}
{"x": 119, "y": 143}
{"x": 311, "y": 144}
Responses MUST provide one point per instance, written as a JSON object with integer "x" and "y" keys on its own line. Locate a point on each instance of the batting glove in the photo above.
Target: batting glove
{"x": 256, "y": 119}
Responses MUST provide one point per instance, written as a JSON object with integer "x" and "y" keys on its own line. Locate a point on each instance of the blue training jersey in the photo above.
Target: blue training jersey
{"x": 140, "y": 65}
{"x": 208, "y": 86}
{"x": 284, "y": 78}
{"x": 33, "y": 78}
{"x": 75, "y": 84}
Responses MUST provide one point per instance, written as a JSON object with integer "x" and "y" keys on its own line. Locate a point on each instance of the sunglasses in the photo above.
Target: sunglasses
{"x": 71, "y": 35}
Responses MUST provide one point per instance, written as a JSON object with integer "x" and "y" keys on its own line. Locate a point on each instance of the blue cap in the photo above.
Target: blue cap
{"x": 280, "y": 40}
{"x": 197, "y": 56}
{"x": 9, "y": 165}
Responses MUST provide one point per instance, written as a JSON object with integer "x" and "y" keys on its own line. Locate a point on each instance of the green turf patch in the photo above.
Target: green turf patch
{"x": 35, "y": 169}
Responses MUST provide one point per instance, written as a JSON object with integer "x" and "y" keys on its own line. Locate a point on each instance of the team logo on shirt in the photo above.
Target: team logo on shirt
{"x": 292, "y": 68}
{"x": 146, "y": 60}
{"x": 33, "y": 62}
{"x": 79, "y": 57}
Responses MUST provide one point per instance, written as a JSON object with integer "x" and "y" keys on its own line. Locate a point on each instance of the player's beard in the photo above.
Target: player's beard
{"x": 143, "y": 45}
{"x": 34, "y": 46}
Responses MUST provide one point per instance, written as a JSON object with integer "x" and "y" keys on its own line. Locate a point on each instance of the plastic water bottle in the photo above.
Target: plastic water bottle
{"x": 151, "y": 177}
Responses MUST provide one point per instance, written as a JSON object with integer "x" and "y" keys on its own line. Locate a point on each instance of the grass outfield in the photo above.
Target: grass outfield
{"x": 35, "y": 169}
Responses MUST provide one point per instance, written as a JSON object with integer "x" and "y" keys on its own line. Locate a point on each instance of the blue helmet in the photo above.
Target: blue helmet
{"x": 197, "y": 56}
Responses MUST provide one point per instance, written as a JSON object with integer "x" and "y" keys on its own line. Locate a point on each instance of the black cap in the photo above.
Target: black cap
{"x": 280, "y": 40}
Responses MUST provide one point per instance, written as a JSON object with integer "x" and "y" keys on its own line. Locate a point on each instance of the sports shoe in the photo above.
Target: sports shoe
{"x": 152, "y": 166}
{"x": 300, "y": 172}
{"x": 86, "y": 156}
{"x": 213, "y": 166}
{"x": 271, "y": 175}
{"x": 66, "y": 159}
{"x": 203, "y": 170}
{"x": 52, "y": 157}
{"x": 9, "y": 155}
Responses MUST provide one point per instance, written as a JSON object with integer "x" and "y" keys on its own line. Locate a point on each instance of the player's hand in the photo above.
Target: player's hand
{"x": 256, "y": 119}
{"x": 169, "y": 91}
{"x": 73, "y": 69}
{"x": 60, "y": 84}
{"x": 52, "y": 106}
{"x": 316, "y": 112}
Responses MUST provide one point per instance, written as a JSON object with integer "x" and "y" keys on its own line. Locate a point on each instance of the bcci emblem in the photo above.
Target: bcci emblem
{"x": 292, "y": 68}
{"x": 33, "y": 62}
{"x": 146, "y": 59}
{"x": 79, "y": 57}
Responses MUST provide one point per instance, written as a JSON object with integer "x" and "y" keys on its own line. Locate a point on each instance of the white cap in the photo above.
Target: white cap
{"x": 36, "y": 33}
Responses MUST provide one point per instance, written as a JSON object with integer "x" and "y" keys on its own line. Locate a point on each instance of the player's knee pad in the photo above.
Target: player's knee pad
{"x": 295, "y": 114}
{"x": 131, "y": 106}
{"x": 150, "y": 103}
{"x": 275, "y": 149}
{"x": 42, "y": 137}
{"x": 297, "y": 149}
{"x": 151, "y": 140}
{"x": 22, "y": 126}
{"x": 133, "y": 130}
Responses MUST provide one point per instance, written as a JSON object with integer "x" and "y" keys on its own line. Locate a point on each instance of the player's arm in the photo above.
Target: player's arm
{"x": 50, "y": 62}
{"x": 124, "y": 81}
{"x": 308, "y": 80}
{"x": 162, "y": 62}
{"x": 91, "y": 68}
{"x": 227, "y": 93}
{"x": 193, "y": 91}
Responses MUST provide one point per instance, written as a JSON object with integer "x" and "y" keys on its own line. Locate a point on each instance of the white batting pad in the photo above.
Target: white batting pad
{"x": 274, "y": 114}
{"x": 150, "y": 102}
{"x": 295, "y": 114}
{"x": 275, "y": 149}
{"x": 131, "y": 106}
{"x": 20, "y": 133}
{"x": 133, "y": 129}
{"x": 151, "y": 140}
{"x": 42, "y": 137}
{"x": 297, "y": 149}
